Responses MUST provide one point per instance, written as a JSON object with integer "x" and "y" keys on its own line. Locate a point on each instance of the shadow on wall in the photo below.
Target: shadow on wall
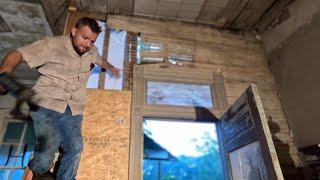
{"x": 286, "y": 162}
{"x": 205, "y": 115}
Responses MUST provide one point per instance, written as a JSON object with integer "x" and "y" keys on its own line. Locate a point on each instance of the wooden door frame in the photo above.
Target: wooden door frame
{"x": 140, "y": 109}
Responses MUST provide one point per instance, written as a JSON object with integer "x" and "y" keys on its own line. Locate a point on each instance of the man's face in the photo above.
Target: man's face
{"x": 83, "y": 39}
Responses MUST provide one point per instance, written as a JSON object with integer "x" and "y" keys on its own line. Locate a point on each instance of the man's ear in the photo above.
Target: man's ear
{"x": 73, "y": 31}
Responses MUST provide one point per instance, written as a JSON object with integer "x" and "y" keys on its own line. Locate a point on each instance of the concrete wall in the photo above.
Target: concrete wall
{"x": 293, "y": 54}
{"x": 301, "y": 13}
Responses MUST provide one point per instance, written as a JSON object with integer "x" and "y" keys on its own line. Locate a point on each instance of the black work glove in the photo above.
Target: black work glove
{"x": 19, "y": 91}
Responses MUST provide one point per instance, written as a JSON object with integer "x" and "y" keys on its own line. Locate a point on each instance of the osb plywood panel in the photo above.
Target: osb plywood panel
{"x": 240, "y": 57}
{"x": 106, "y": 127}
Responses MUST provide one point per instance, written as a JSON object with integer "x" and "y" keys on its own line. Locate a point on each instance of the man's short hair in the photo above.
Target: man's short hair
{"x": 86, "y": 21}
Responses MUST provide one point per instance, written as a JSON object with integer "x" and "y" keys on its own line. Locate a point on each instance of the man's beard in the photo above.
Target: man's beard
{"x": 78, "y": 50}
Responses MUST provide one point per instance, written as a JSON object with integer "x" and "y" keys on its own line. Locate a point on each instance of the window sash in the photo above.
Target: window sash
{"x": 19, "y": 149}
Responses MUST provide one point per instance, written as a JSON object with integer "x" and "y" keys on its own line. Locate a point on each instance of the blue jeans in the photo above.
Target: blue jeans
{"x": 54, "y": 130}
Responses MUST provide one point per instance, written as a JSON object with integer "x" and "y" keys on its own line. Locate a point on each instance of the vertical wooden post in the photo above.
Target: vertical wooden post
{"x": 130, "y": 59}
{"x": 102, "y": 75}
{"x": 221, "y": 92}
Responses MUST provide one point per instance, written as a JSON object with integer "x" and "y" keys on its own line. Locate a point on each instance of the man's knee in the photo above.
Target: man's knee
{"x": 44, "y": 154}
{"x": 41, "y": 163}
{"x": 48, "y": 146}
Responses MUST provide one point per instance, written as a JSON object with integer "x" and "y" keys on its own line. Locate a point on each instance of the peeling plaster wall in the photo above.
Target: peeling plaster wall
{"x": 301, "y": 13}
{"x": 293, "y": 55}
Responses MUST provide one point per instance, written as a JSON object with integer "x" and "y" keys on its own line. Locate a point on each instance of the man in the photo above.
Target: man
{"x": 64, "y": 64}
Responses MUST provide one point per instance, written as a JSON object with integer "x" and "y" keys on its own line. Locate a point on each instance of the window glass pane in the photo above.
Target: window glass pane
{"x": 93, "y": 80}
{"x": 4, "y": 174}
{"x": 151, "y": 47}
{"x": 22, "y": 158}
{"x": 164, "y": 93}
{"x": 247, "y": 162}
{"x": 174, "y": 57}
{"x": 152, "y": 59}
{"x": 116, "y": 57}
{"x": 4, "y": 154}
{"x": 153, "y": 50}
{"x": 15, "y": 175}
{"x": 172, "y": 152}
{"x": 30, "y": 137}
{"x": 13, "y": 132}
{"x": 138, "y": 49}
{"x": 8, "y": 153}
{"x": 28, "y": 154}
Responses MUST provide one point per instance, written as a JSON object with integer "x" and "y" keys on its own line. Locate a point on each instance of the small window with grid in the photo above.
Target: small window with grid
{"x": 16, "y": 148}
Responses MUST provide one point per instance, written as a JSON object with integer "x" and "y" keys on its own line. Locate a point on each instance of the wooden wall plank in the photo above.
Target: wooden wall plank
{"x": 182, "y": 31}
{"x": 240, "y": 57}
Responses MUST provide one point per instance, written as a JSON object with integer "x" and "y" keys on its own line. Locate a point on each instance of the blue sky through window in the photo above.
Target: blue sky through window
{"x": 181, "y": 138}
{"x": 193, "y": 148}
{"x": 18, "y": 161}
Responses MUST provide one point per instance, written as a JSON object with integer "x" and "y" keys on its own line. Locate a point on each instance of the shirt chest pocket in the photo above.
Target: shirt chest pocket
{"x": 65, "y": 65}
{"x": 85, "y": 64}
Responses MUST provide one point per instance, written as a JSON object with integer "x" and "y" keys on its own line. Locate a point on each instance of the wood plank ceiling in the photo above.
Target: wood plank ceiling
{"x": 230, "y": 14}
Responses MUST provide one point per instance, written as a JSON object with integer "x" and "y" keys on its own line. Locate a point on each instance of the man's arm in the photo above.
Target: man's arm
{"x": 106, "y": 65}
{"x": 10, "y": 62}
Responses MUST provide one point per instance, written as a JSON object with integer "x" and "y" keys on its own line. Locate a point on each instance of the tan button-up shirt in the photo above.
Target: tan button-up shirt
{"x": 63, "y": 73}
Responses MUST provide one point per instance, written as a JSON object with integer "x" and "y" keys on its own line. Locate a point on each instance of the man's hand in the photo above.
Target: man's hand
{"x": 10, "y": 62}
{"x": 115, "y": 71}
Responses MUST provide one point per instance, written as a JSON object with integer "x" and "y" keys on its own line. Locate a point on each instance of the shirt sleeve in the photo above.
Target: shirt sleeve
{"x": 97, "y": 59}
{"x": 35, "y": 54}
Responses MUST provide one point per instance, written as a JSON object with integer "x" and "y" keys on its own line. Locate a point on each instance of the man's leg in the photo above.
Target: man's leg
{"x": 48, "y": 139}
{"x": 72, "y": 145}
